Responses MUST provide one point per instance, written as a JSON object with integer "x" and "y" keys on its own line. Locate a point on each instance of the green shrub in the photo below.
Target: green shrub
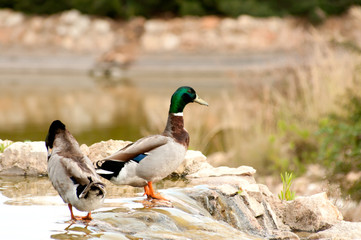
{"x": 293, "y": 147}
{"x": 340, "y": 149}
{"x": 340, "y": 145}
{"x": 313, "y": 10}
{"x": 234, "y": 8}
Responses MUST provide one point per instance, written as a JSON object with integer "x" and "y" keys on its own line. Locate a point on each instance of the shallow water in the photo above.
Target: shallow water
{"x": 31, "y": 209}
{"x": 35, "y": 89}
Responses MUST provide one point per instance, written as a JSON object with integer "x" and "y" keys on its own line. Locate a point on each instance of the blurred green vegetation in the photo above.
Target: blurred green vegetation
{"x": 335, "y": 145}
{"x": 340, "y": 148}
{"x": 340, "y": 143}
{"x": 313, "y": 10}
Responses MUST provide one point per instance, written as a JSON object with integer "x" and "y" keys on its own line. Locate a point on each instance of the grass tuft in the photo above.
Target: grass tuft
{"x": 4, "y": 145}
{"x": 286, "y": 193}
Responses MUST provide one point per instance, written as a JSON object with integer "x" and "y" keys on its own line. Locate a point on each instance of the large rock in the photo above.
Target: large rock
{"x": 103, "y": 149}
{"x": 242, "y": 211}
{"x": 311, "y": 214}
{"x": 193, "y": 162}
{"x": 240, "y": 178}
{"x": 24, "y": 158}
{"x": 351, "y": 210}
{"x": 340, "y": 231}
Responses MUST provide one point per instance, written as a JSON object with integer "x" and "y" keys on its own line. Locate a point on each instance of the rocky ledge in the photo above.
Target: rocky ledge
{"x": 77, "y": 32}
{"x": 230, "y": 195}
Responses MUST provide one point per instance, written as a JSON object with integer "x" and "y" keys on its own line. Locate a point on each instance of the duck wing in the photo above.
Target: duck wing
{"x": 78, "y": 170}
{"x": 137, "y": 150}
{"x": 111, "y": 166}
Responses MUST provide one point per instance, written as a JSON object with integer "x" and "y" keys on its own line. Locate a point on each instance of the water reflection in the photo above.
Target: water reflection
{"x": 94, "y": 108}
{"x": 93, "y": 111}
{"x": 77, "y": 231}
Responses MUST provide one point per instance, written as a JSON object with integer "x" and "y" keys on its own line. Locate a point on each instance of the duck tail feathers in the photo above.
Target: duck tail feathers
{"x": 109, "y": 168}
{"x": 93, "y": 188}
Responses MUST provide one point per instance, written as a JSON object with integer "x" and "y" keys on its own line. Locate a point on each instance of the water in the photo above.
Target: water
{"x": 31, "y": 209}
{"x": 37, "y": 88}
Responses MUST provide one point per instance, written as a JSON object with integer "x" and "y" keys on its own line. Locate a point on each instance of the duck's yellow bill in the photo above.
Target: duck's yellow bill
{"x": 200, "y": 101}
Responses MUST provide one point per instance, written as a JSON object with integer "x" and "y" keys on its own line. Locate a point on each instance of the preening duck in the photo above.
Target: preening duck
{"x": 152, "y": 158}
{"x": 72, "y": 173}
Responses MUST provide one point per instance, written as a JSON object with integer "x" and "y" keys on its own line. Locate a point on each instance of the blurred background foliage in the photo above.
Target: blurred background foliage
{"x": 313, "y": 10}
{"x": 340, "y": 143}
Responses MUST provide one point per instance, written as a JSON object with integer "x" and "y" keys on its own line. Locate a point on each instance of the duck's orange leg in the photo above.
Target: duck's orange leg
{"x": 72, "y": 214}
{"x": 87, "y": 217}
{"x": 73, "y": 217}
{"x": 149, "y": 191}
{"x": 146, "y": 190}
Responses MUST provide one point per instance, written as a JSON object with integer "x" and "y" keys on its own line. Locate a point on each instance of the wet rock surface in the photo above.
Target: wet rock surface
{"x": 206, "y": 201}
{"x": 187, "y": 219}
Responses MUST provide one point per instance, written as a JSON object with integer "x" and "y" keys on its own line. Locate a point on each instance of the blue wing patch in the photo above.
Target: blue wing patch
{"x": 139, "y": 158}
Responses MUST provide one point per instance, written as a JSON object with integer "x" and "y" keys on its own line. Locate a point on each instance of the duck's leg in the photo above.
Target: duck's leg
{"x": 73, "y": 217}
{"x": 152, "y": 194}
{"x": 146, "y": 190}
{"x": 87, "y": 217}
{"x": 72, "y": 214}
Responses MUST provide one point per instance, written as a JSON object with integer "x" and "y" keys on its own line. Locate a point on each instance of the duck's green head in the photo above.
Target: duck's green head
{"x": 182, "y": 97}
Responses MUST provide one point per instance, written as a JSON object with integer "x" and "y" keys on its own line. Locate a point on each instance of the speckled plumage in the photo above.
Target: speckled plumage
{"x": 72, "y": 173}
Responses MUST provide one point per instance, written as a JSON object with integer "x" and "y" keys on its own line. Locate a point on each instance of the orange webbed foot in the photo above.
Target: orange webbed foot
{"x": 88, "y": 217}
{"x": 85, "y": 218}
{"x": 149, "y": 191}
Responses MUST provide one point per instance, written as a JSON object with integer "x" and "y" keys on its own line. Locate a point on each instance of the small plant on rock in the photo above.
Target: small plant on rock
{"x": 4, "y": 145}
{"x": 286, "y": 193}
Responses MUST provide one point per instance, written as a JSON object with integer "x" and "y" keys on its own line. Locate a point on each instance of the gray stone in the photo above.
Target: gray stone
{"x": 255, "y": 206}
{"x": 101, "y": 26}
{"x": 103, "y": 149}
{"x": 242, "y": 212}
{"x": 224, "y": 171}
{"x": 11, "y": 19}
{"x": 70, "y": 17}
{"x": 229, "y": 25}
{"x": 193, "y": 162}
{"x": 282, "y": 235}
{"x": 170, "y": 41}
{"x": 228, "y": 190}
{"x": 341, "y": 231}
{"x": 239, "y": 182}
{"x": 351, "y": 210}
{"x": 24, "y": 158}
{"x": 311, "y": 214}
{"x": 156, "y": 27}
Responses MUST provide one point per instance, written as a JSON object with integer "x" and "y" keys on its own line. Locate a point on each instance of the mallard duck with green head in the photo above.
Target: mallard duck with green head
{"x": 72, "y": 173}
{"x": 152, "y": 158}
